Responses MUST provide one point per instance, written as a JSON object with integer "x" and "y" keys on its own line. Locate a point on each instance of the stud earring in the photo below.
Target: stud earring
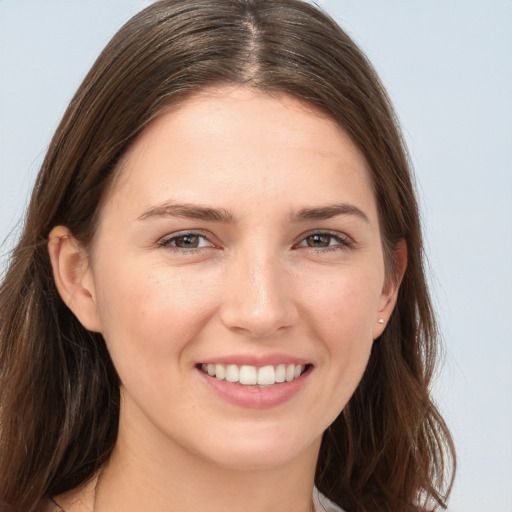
{"x": 381, "y": 320}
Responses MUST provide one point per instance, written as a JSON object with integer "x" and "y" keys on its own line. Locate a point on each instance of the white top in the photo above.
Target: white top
{"x": 323, "y": 504}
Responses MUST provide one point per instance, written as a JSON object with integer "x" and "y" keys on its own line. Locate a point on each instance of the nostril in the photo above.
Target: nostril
{"x": 259, "y": 323}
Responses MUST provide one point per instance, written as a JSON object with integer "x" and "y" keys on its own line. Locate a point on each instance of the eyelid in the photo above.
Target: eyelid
{"x": 166, "y": 240}
{"x": 344, "y": 240}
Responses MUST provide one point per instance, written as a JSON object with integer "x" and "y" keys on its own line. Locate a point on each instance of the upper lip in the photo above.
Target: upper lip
{"x": 256, "y": 360}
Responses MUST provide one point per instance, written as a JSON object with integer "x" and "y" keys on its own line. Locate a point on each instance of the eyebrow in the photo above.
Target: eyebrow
{"x": 194, "y": 211}
{"x": 327, "y": 212}
{"x": 190, "y": 211}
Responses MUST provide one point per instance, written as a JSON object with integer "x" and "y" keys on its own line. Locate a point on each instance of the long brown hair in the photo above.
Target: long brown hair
{"x": 389, "y": 450}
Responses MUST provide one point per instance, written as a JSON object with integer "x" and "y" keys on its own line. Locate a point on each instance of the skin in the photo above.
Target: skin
{"x": 257, "y": 285}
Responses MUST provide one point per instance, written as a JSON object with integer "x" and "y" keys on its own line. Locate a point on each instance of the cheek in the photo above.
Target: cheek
{"x": 346, "y": 305}
{"x": 150, "y": 315}
{"x": 343, "y": 316}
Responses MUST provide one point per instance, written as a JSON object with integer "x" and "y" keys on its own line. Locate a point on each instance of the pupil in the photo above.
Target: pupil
{"x": 187, "y": 241}
{"x": 319, "y": 240}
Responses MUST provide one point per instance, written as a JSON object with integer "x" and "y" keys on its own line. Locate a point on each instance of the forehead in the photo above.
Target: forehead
{"x": 254, "y": 114}
{"x": 236, "y": 138}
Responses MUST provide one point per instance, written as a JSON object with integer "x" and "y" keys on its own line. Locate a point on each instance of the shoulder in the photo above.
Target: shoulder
{"x": 324, "y": 504}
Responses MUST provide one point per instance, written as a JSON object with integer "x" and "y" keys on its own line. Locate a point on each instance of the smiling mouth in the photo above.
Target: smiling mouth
{"x": 247, "y": 375}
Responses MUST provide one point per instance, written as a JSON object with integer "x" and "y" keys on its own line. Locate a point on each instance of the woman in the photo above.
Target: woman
{"x": 218, "y": 299}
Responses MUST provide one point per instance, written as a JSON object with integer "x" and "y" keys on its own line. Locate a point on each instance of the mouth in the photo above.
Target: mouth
{"x": 247, "y": 375}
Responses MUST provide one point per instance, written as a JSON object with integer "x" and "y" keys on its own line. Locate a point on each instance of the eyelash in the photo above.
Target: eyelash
{"x": 343, "y": 242}
{"x": 169, "y": 241}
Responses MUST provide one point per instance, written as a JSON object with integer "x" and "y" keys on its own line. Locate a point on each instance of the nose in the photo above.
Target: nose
{"x": 259, "y": 301}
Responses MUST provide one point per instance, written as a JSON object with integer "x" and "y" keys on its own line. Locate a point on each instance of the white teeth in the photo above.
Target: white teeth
{"x": 266, "y": 376}
{"x": 220, "y": 371}
{"x": 290, "y": 372}
{"x": 251, "y": 375}
{"x": 232, "y": 373}
{"x": 248, "y": 375}
{"x": 281, "y": 373}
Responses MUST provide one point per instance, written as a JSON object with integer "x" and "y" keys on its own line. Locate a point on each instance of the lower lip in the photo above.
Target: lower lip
{"x": 255, "y": 397}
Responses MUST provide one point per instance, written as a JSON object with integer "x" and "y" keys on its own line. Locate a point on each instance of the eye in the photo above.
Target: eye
{"x": 325, "y": 240}
{"x": 186, "y": 241}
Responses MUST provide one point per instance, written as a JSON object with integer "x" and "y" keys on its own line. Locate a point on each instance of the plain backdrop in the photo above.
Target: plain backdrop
{"x": 447, "y": 65}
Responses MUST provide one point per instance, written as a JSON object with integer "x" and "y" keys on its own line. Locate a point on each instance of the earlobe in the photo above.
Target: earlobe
{"x": 73, "y": 277}
{"x": 389, "y": 294}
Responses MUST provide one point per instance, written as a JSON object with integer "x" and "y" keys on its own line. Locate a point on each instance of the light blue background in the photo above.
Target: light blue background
{"x": 448, "y": 68}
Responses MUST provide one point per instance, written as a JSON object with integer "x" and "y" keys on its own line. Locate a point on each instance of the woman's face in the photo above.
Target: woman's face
{"x": 241, "y": 242}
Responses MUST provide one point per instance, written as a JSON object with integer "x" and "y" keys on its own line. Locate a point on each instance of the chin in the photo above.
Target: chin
{"x": 263, "y": 452}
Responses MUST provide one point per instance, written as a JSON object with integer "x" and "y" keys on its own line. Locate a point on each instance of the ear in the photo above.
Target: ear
{"x": 73, "y": 277}
{"x": 389, "y": 294}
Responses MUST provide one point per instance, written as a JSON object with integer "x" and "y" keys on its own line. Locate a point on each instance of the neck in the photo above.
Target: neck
{"x": 173, "y": 480}
{"x": 149, "y": 471}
